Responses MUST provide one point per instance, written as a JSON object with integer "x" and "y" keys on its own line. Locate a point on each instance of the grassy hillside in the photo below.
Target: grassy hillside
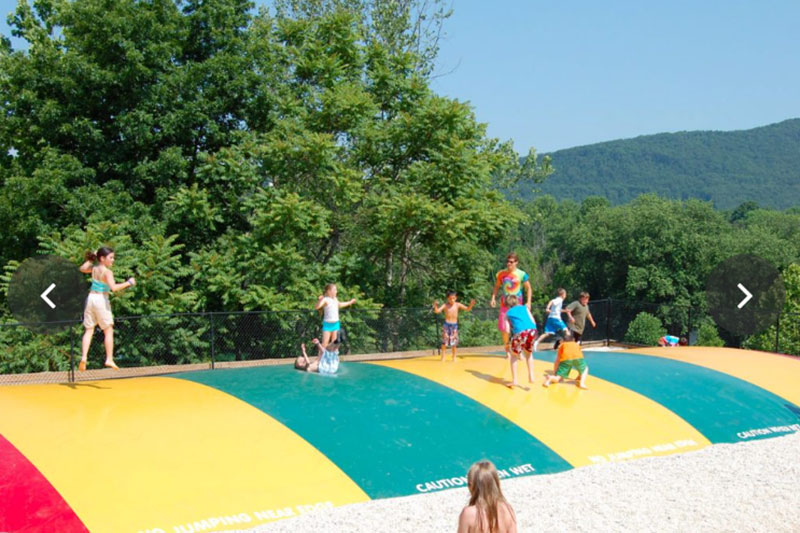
{"x": 728, "y": 168}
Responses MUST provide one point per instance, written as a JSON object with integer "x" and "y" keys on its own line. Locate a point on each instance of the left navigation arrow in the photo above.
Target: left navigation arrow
{"x": 44, "y": 297}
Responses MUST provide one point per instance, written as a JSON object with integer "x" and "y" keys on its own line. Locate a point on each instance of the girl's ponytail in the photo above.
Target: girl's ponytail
{"x": 101, "y": 252}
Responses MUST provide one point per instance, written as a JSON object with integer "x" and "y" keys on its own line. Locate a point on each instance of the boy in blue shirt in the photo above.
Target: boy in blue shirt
{"x": 523, "y": 330}
{"x": 671, "y": 340}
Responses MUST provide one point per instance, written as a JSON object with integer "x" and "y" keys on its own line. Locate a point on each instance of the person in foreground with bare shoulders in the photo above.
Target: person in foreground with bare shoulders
{"x": 488, "y": 511}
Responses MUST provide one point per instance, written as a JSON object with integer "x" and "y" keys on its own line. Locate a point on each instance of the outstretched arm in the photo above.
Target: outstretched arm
{"x": 436, "y": 307}
{"x": 108, "y": 278}
{"x": 347, "y": 303}
{"x": 305, "y": 355}
{"x": 320, "y": 349}
{"x": 467, "y": 308}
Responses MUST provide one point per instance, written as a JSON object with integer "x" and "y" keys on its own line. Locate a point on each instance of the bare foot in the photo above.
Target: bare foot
{"x": 584, "y": 387}
{"x": 511, "y": 385}
{"x": 111, "y": 364}
{"x": 82, "y": 366}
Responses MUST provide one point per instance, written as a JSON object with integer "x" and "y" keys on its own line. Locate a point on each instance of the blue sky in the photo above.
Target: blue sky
{"x": 558, "y": 74}
{"x": 554, "y": 75}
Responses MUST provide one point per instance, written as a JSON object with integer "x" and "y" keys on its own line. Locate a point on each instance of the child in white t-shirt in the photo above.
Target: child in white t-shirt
{"x": 554, "y": 325}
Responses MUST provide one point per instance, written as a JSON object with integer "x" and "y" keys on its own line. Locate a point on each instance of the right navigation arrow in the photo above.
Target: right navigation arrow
{"x": 747, "y": 296}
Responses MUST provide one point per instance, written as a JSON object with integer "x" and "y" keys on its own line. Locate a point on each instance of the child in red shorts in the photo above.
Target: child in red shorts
{"x": 523, "y": 328}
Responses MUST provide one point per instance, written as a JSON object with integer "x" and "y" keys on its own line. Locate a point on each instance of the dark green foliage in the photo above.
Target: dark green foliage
{"x": 266, "y": 154}
{"x": 760, "y": 165}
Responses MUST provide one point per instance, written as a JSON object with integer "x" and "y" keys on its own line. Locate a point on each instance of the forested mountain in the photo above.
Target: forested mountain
{"x": 728, "y": 168}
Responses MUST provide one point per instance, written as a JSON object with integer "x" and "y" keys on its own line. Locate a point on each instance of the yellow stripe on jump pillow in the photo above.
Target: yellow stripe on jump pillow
{"x": 605, "y": 423}
{"x": 164, "y": 454}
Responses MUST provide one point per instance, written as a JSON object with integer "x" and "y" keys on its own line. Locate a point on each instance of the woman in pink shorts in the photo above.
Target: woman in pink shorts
{"x": 511, "y": 280}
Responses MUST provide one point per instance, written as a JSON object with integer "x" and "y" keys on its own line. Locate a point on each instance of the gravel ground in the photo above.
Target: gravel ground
{"x": 749, "y": 486}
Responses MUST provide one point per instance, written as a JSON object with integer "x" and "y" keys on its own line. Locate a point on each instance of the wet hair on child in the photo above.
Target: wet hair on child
{"x": 101, "y": 252}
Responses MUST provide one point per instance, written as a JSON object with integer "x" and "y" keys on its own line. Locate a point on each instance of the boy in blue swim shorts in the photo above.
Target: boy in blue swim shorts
{"x": 554, "y": 325}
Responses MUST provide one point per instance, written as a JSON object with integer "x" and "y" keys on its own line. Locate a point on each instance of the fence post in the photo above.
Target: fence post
{"x": 211, "y": 318}
{"x": 689, "y": 320}
{"x": 608, "y": 322}
{"x": 436, "y": 328}
{"x": 71, "y": 375}
{"x": 778, "y": 334}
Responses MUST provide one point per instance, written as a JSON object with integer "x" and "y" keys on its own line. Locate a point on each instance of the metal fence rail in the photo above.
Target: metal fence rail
{"x": 211, "y": 338}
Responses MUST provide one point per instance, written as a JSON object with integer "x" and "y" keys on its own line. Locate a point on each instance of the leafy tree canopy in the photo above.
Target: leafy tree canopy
{"x": 240, "y": 160}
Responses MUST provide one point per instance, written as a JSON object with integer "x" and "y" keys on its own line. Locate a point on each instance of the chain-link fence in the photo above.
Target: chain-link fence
{"x": 208, "y": 339}
{"x": 157, "y": 343}
{"x": 616, "y": 317}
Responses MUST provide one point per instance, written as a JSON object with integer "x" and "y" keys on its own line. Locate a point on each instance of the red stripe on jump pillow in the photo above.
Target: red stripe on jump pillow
{"x": 28, "y": 502}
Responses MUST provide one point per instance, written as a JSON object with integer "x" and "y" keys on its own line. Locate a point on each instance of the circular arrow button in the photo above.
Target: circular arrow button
{"x": 745, "y": 294}
{"x": 47, "y": 293}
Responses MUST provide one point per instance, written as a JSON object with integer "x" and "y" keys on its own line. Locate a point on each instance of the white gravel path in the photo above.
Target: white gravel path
{"x": 749, "y": 486}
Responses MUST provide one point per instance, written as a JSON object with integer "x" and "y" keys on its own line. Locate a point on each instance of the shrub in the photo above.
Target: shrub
{"x": 645, "y": 329}
{"x": 707, "y": 335}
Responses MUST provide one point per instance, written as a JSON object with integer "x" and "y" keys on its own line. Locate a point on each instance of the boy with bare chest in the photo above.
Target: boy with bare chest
{"x": 450, "y": 326}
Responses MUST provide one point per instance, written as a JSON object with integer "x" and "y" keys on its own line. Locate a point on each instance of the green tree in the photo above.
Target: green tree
{"x": 788, "y": 338}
